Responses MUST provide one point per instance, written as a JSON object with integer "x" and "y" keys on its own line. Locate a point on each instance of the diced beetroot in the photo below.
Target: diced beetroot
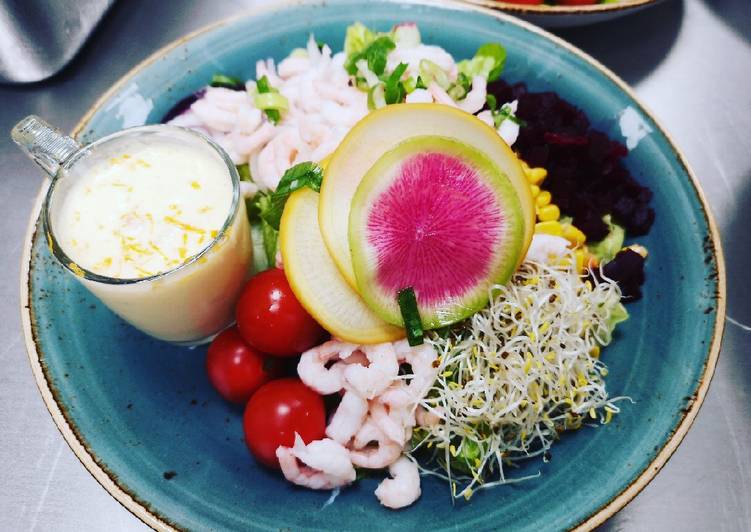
{"x": 586, "y": 174}
{"x": 627, "y": 269}
{"x": 182, "y": 106}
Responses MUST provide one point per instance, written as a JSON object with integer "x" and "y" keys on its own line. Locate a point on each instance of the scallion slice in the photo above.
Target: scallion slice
{"x": 410, "y": 315}
{"x": 227, "y": 82}
{"x": 271, "y": 100}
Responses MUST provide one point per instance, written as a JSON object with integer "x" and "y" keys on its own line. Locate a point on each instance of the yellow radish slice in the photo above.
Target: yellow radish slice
{"x": 316, "y": 280}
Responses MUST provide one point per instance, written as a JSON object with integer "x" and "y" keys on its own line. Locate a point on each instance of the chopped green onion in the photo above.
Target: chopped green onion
{"x": 410, "y": 84}
{"x": 376, "y": 54}
{"x": 244, "y": 171}
{"x": 271, "y": 100}
{"x": 504, "y": 113}
{"x": 394, "y": 91}
{"x": 263, "y": 87}
{"x": 227, "y": 82}
{"x": 488, "y": 62}
{"x": 430, "y": 72}
{"x": 410, "y": 316}
{"x": 376, "y": 97}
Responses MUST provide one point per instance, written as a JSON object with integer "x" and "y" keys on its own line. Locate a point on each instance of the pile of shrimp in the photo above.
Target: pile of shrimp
{"x": 323, "y": 103}
{"x": 373, "y": 422}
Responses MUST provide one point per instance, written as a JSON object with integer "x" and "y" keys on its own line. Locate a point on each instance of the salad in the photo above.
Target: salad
{"x": 439, "y": 260}
{"x": 562, "y": 2}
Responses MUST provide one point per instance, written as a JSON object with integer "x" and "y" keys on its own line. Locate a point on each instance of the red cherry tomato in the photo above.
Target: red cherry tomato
{"x": 235, "y": 369}
{"x": 276, "y": 411}
{"x": 271, "y": 319}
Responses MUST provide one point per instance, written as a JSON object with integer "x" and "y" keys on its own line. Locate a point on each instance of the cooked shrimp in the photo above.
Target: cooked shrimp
{"x": 373, "y": 449}
{"x": 421, "y": 360}
{"x": 278, "y": 155}
{"x": 293, "y": 66}
{"x": 267, "y": 68}
{"x": 248, "y": 120}
{"x": 487, "y": 117}
{"x": 322, "y": 464}
{"x": 397, "y": 395}
{"x": 395, "y": 422}
{"x": 248, "y": 144}
{"x": 312, "y": 366}
{"x": 374, "y": 379}
{"x": 348, "y": 418}
{"x": 428, "y": 418}
{"x": 213, "y": 116}
{"x": 439, "y": 95}
{"x": 403, "y": 488}
{"x": 413, "y": 55}
{"x": 509, "y": 130}
{"x": 419, "y": 96}
{"x": 475, "y": 98}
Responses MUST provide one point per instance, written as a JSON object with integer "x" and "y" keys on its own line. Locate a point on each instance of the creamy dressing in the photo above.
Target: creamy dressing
{"x": 145, "y": 202}
{"x": 144, "y": 209}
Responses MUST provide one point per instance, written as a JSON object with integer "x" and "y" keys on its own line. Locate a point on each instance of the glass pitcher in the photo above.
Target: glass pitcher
{"x": 194, "y": 299}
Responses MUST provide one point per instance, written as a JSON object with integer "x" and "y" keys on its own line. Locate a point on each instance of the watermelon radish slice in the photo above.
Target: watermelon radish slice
{"x": 438, "y": 216}
{"x": 382, "y": 130}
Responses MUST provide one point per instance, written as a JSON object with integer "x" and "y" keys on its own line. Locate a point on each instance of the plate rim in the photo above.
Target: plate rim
{"x": 545, "y": 10}
{"x": 149, "y": 516}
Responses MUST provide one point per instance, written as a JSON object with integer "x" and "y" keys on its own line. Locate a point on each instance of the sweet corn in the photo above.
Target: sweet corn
{"x": 536, "y": 175}
{"x": 548, "y": 213}
{"x": 543, "y": 198}
{"x": 573, "y": 235}
{"x": 581, "y": 257}
{"x": 549, "y": 228}
{"x": 595, "y": 351}
{"x": 535, "y": 190}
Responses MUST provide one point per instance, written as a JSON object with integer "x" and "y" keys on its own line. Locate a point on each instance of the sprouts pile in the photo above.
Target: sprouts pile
{"x": 518, "y": 373}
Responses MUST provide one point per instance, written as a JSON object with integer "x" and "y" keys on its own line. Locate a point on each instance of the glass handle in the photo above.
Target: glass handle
{"x": 45, "y": 145}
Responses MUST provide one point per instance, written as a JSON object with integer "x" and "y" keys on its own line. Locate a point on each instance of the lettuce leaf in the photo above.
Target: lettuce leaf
{"x": 358, "y": 37}
{"x": 607, "y": 248}
{"x": 488, "y": 62}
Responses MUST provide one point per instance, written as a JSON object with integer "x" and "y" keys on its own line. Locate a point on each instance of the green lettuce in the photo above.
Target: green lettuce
{"x": 358, "y": 37}
{"x": 488, "y": 62}
{"x": 607, "y": 248}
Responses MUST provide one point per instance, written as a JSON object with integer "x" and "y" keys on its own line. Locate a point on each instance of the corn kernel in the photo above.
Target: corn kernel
{"x": 549, "y": 213}
{"x": 573, "y": 235}
{"x": 580, "y": 256}
{"x": 549, "y": 228}
{"x": 641, "y": 250}
{"x": 543, "y": 198}
{"x": 536, "y": 175}
{"x": 535, "y": 190}
{"x": 595, "y": 351}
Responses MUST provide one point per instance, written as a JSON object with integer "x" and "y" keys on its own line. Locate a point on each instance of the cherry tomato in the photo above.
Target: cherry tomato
{"x": 276, "y": 411}
{"x": 271, "y": 319}
{"x": 235, "y": 369}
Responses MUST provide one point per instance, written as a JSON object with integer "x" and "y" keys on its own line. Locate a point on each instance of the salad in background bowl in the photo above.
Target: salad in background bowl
{"x": 199, "y": 473}
{"x": 566, "y": 13}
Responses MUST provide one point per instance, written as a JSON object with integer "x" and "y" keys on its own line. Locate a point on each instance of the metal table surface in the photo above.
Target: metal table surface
{"x": 689, "y": 60}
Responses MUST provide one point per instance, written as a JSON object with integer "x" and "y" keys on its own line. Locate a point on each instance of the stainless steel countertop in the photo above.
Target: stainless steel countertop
{"x": 689, "y": 60}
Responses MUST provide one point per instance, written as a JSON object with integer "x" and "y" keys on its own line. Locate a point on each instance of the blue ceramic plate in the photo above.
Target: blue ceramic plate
{"x": 143, "y": 419}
